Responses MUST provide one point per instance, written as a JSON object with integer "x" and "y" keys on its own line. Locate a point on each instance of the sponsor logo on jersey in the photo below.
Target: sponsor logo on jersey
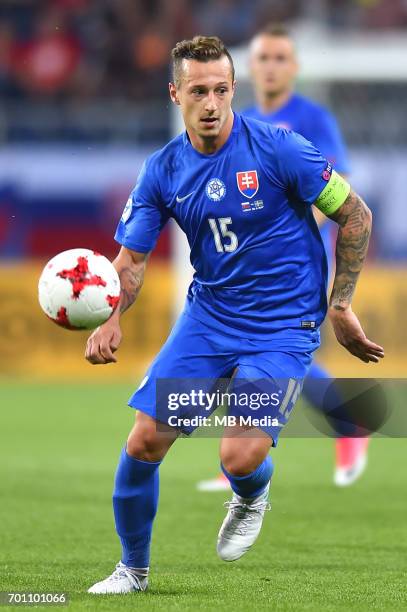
{"x": 183, "y": 198}
{"x": 127, "y": 210}
{"x": 247, "y": 183}
{"x": 326, "y": 175}
{"x": 215, "y": 189}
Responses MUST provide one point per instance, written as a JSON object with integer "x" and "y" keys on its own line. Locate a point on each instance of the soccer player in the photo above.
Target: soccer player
{"x": 273, "y": 68}
{"x": 242, "y": 191}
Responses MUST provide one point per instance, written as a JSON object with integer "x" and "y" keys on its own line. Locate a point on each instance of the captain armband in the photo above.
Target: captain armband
{"x": 333, "y": 195}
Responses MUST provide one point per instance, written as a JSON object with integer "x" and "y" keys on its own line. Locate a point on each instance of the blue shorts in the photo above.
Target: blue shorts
{"x": 196, "y": 352}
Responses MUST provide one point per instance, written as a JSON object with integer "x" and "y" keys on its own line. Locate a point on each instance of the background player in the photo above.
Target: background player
{"x": 199, "y": 175}
{"x": 274, "y": 68}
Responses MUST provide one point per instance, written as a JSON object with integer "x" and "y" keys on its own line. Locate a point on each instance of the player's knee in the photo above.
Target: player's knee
{"x": 238, "y": 464}
{"x": 142, "y": 443}
{"x": 144, "y": 447}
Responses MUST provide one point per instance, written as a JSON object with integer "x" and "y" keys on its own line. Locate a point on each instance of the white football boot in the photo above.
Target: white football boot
{"x": 242, "y": 525}
{"x": 345, "y": 476}
{"x": 123, "y": 580}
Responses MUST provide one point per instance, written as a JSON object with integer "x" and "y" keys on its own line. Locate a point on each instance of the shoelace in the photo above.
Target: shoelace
{"x": 119, "y": 572}
{"x": 244, "y": 514}
{"x": 124, "y": 572}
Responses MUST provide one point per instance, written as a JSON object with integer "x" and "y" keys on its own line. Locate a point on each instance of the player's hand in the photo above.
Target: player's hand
{"x": 350, "y": 334}
{"x": 103, "y": 343}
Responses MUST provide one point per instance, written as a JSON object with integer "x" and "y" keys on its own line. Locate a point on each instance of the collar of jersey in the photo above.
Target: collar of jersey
{"x": 223, "y": 149}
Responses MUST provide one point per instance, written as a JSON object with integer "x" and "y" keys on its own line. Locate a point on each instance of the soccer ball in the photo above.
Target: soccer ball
{"x": 79, "y": 289}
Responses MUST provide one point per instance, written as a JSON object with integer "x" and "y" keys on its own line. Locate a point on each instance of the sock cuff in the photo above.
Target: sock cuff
{"x": 267, "y": 461}
{"x": 139, "y": 571}
{"x": 130, "y": 458}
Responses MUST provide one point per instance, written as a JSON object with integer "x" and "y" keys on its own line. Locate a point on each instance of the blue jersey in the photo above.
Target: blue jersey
{"x": 312, "y": 121}
{"x": 259, "y": 260}
{"x": 319, "y": 126}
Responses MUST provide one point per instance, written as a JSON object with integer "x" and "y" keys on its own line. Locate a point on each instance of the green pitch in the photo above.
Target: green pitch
{"x": 320, "y": 548}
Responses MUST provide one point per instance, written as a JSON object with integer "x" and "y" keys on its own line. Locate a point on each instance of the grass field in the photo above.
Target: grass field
{"x": 320, "y": 548}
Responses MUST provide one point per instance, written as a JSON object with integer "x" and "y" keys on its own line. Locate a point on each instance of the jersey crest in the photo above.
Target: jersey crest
{"x": 215, "y": 189}
{"x": 248, "y": 183}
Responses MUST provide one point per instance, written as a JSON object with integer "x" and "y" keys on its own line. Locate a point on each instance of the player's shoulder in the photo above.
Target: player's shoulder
{"x": 256, "y": 129}
{"x": 267, "y": 134}
{"x": 310, "y": 107}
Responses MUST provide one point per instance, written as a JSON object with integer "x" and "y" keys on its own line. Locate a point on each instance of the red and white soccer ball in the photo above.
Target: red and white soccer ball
{"x": 79, "y": 289}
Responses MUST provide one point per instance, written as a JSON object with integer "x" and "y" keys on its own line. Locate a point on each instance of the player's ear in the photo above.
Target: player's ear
{"x": 173, "y": 93}
{"x": 233, "y": 88}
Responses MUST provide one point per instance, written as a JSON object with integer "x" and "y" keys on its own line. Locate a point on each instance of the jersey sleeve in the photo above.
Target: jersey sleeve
{"x": 144, "y": 215}
{"x": 303, "y": 170}
{"x": 327, "y": 137}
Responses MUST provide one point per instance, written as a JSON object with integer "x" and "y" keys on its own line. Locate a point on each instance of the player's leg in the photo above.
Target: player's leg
{"x": 135, "y": 501}
{"x": 222, "y": 482}
{"x": 248, "y": 467}
{"x": 350, "y": 453}
{"x": 190, "y": 352}
{"x": 244, "y": 448}
{"x": 232, "y": 459}
{"x": 136, "y": 489}
{"x": 245, "y": 460}
{"x": 314, "y": 393}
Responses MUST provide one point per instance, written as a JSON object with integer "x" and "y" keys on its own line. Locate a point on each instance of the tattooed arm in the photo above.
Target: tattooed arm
{"x": 105, "y": 339}
{"x": 130, "y": 267}
{"x": 355, "y": 222}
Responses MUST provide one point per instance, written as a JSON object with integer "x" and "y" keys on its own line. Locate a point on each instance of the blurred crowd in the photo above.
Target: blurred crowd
{"x": 89, "y": 49}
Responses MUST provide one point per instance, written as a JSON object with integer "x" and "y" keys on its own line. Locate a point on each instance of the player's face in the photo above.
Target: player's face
{"x": 205, "y": 94}
{"x": 273, "y": 64}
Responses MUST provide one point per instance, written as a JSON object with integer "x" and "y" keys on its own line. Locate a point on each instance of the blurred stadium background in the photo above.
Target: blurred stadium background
{"x": 84, "y": 100}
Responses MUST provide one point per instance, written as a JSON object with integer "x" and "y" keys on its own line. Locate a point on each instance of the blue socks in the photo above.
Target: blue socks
{"x": 135, "y": 500}
{"x": 253, "y": 484}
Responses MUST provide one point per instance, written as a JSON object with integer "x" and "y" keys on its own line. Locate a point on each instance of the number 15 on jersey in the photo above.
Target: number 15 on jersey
{"x": 225, "y": 240}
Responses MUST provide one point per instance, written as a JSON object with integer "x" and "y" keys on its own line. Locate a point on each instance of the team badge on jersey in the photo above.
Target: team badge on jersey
{"x": 215, "y": 189}
{"x": 248, "y": 183}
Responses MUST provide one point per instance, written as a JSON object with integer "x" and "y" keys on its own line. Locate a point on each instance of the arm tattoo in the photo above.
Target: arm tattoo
{"x": 131, "y": 280}
{"x": 355, "y": 224}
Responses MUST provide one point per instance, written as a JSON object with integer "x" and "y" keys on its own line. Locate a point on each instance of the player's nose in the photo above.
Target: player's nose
{"x": 210, "y": 102}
